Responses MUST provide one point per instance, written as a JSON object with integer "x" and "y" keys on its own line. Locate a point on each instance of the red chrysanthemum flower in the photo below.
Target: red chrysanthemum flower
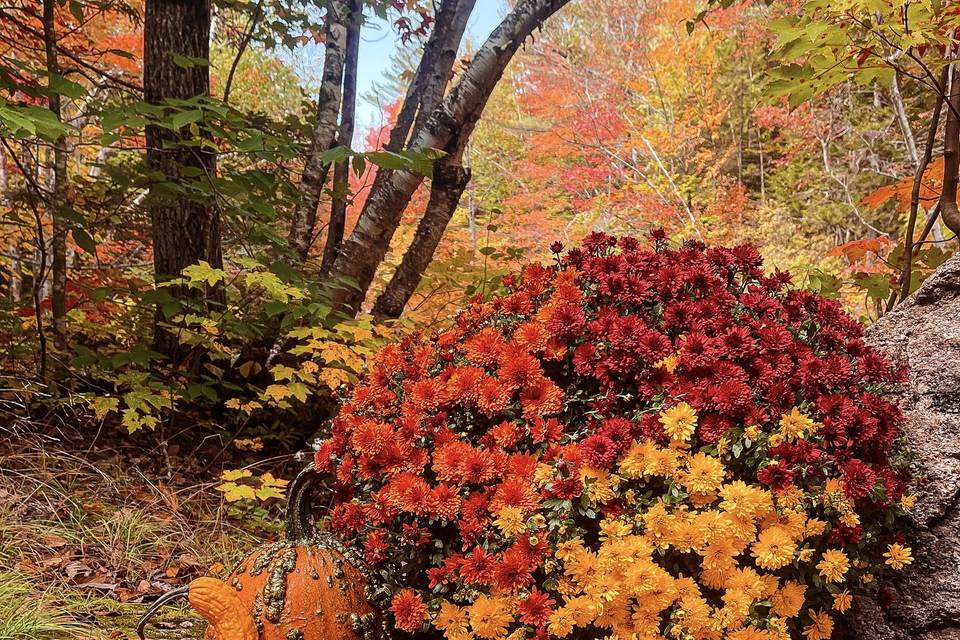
{"x": 536, "y": 608}
{"x": 566, "y": 320}
{"x": 478, "y": 466}
{"x": 600, "y": 451}
{"x": 513, "y": 571}
{"x": 515, "y": 492}
{"x": 858, "y": 479}
{"x": 531, "y": 336}
{"x": 375, "y": 546}
{"x": 545, "y": 430}
{"x": 776, "y": 475}
{"x": 478, "y": 567}
{"x": 409, "y": 610}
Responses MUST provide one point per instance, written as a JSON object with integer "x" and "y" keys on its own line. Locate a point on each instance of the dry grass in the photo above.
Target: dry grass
{"x": 85, "y": 539}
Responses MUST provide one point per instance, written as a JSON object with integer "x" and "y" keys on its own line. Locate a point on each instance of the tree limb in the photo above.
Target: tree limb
{"x": 452, "y": 121}
{"x": 315, "y": 171}
{"x": 341, "y": 171}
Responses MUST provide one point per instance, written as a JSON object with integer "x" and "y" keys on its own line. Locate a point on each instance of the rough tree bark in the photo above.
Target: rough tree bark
{"x": 185, "y": 230}
{"x": 57, "y": 197}
{"x": 949, "y": 211}
{"x": 341, "y": 172}
{"x": 453, "y": 120}
{"x": 315, "y": 171}
{"x": 449, "y": 181}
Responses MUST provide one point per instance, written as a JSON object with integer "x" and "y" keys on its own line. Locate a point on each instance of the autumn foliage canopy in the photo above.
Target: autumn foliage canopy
{"x": 652, "y": 441}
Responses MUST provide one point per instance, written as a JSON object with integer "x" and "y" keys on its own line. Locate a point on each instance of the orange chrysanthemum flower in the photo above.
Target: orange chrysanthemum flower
{"x": 493, "y": 396}
{"x": 531, "y": 336}
{"x": 541, "y": 398}
{"x": 484, "y": 347}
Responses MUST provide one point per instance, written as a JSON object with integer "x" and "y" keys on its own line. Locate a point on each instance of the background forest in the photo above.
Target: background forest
{"x": 212, "y": 216}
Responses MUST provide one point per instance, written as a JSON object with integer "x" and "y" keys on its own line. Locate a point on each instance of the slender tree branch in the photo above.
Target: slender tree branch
{"x": 244, "y": 43}
{"x": 921, "y": 169}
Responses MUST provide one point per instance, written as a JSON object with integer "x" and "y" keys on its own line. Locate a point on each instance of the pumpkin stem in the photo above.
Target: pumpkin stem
{"x": 169, "y": 596}
{"x": 297, "y": 524}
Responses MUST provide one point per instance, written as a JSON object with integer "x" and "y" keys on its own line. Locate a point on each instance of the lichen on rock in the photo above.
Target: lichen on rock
{"x": 923, "y": 334}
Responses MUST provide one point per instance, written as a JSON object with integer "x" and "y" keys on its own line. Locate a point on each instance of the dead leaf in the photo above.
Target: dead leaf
{"x": 75, "y": 568}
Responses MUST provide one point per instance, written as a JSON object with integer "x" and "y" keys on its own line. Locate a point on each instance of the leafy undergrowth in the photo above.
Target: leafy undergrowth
{"x": 86, "y": 539}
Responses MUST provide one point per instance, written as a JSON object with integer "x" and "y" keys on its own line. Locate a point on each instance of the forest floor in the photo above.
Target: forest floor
{"x": 90, "y": 534}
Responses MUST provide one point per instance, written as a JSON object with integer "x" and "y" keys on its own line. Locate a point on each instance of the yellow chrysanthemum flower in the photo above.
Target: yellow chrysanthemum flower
{"x": 907, "y": 501}
{"x": 490, "y": 616}
{"x": 704, "y": 474}
{"x": 850, "y": 519}
{"x": 788, "y": 600}
{"x": 560, "y": 623}
{"x": 602, "y": 489}
{"x": 796, "y": 425}
{"x": 898, "y": 556}
{"x": 789, "y": 497}
{"x": 635, "y": 461}
{"x": 614, "y": 529}
{"x": 723, "y": 445}
{"x": 452, "y": 620}
{"x": 820, "y": 627}
{"x": 510, "y": 521}
{"x": 833, "y": 565}
{"x": 842, "y": 601}
{"x": 679, "y": 422}
{"x": 744, "y": 500}
{"x": 813, "y": 527}
{"x": 669, "y": 363}
{"x": 774, "y": 548}
{"x": 543, "y": 473}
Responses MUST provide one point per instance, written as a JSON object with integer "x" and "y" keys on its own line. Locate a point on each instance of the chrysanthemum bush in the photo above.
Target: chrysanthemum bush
{"x": 637, "y": 442}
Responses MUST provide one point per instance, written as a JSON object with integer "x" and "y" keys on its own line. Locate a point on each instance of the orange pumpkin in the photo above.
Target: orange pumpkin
{"x": 302, "y": 588}
{"x": 297, "y": 591}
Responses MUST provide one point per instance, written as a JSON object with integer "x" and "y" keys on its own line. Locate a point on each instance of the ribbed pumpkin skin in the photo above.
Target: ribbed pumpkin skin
{"x": 304, "y": 591}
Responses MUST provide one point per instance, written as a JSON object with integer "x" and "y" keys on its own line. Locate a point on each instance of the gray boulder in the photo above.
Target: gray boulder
{"x": 924, "y": 333}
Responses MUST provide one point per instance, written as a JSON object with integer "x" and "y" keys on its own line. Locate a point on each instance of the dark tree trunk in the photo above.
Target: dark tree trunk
{"x": 302, "y": 227}
{"x": 449, "y": 181}
{"x": 57, "y": 198}
{"x": 448, "y": 127}
{"x": 949, "y": 211}
{"x": 341, "y": 172}
{"x": 185, "y": 229}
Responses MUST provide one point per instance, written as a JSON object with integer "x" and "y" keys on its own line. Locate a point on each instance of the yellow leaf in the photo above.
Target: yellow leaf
{"x": 333, "y": 378}
{"x": 104, "y": 405}
{"x": 248, "y": 444}
{"x": 267, "y": 479}
{"x": 235, "y": 474}
{"x": 233, "y": 492}
{"x": 277, "y": 392}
